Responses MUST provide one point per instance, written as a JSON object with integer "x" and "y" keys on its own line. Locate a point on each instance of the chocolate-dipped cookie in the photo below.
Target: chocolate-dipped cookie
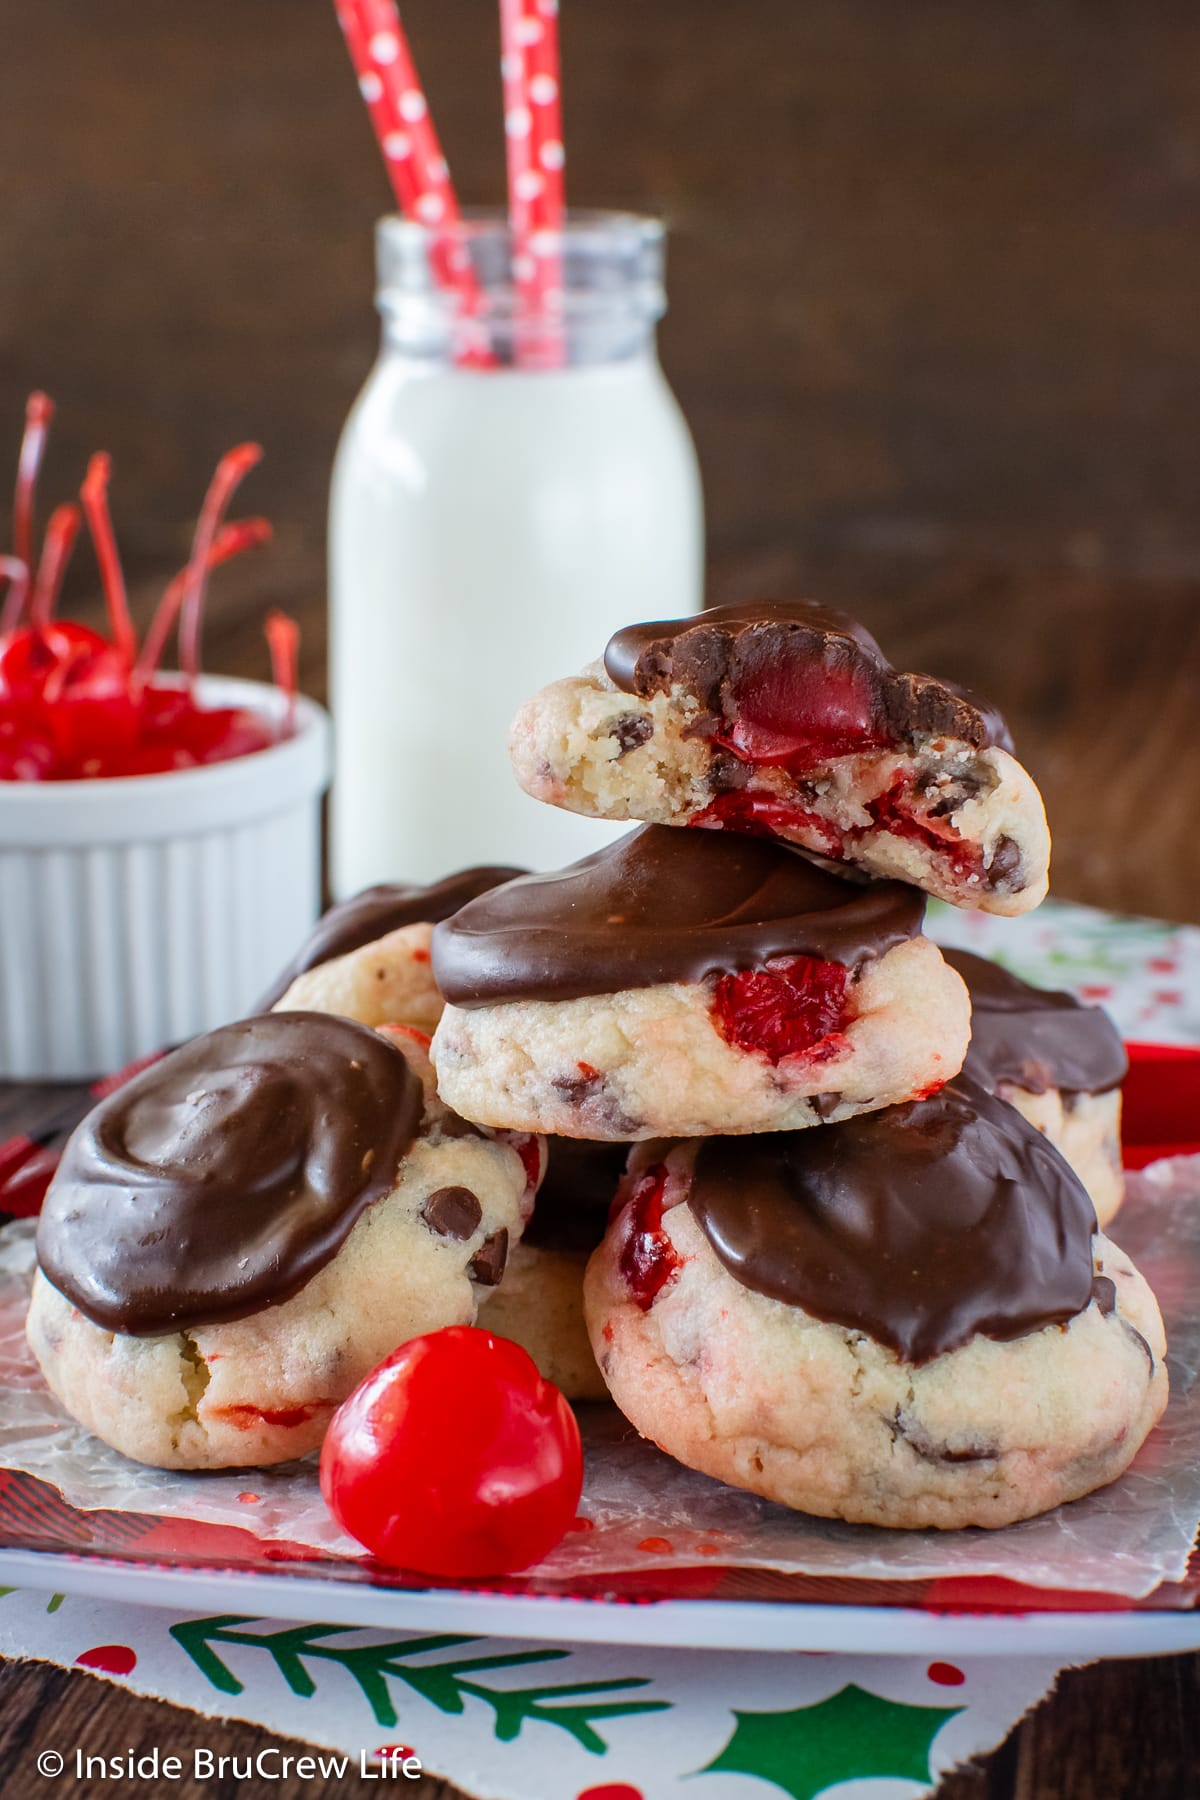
{"x": 237, "y": 1235}
{"x": 1059, "y": 1062}
{"x": 368, "y": 957}
{"x": 906, "y": 1319}
{"x": 681, "y": 983}
{"x": 785, "y": 719}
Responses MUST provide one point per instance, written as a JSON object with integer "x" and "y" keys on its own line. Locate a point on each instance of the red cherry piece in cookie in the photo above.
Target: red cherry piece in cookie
{"x": 759, "y": 813}
{"x": 892, "y": 813}
{"x": 529, "y": 1148}
{"x": 647, "y": 1258}
{"x": 455, "y": 1457}
{"x": 799, "y": 711}
{"x": 789, "y": 1008}
{"x": 285, "y": 1418}
{"x": 109, "y": 1659}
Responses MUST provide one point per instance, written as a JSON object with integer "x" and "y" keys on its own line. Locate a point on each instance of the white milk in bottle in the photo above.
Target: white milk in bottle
{"x": 492, "y": 523}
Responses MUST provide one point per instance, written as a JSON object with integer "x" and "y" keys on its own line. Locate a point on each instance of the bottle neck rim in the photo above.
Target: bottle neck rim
{"x": 469, "y": 290}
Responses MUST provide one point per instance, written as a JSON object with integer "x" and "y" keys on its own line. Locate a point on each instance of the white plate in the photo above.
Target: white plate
{"x": 687, "y": 1624}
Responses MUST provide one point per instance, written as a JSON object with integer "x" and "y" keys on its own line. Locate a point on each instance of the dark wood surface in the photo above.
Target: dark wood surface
{"x": 934, "y": 280}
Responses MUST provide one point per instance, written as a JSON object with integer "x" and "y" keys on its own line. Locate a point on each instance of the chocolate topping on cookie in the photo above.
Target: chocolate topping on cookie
{"x": 920, "y": 1225}
{"x": 797, "y": 672}
{"x": 370, "y": 915}
{"x": 221, "y": 1179}
{"x": 1036, "y": 1038}
{"x": 663, "y": 905}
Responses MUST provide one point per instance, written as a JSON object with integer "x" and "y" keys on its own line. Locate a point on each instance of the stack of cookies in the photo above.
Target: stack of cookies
{"x": 842, "y": 1270}
{"x": 706, "y": 1123}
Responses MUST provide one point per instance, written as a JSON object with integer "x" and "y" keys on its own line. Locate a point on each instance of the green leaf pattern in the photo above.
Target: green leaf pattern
{"x": 575, "y": 1707}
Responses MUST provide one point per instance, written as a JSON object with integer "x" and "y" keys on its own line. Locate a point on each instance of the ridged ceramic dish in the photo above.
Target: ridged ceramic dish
{"x": 135, "y": 912}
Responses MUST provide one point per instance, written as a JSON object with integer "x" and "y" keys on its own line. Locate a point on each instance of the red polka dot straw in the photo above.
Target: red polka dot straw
{"x": 529, "y": 64}
{"x": 399, "y": 112}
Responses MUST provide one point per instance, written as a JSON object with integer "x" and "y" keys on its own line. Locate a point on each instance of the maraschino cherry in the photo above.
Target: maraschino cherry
{"x": 75, "y": 704}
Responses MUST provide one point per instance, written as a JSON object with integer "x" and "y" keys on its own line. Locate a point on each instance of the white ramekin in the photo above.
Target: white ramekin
{"x": 135, "y": 913}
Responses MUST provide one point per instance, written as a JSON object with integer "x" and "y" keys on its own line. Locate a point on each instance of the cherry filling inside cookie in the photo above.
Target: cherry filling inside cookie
{"x": 761, "y": 813}
{"x": 904, "y": 812}
{"x": 647, "y": 1258}
{"x": 796, "y": 713}
{"x": 917, "y": 803}
{"x": 795, "y": 1006}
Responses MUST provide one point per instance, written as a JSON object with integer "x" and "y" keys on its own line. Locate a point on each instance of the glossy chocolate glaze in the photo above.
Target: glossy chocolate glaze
{"x": 663, "y": 905}
{"x": 573, "y": 1202}
{"x": 370, "y": 915}
{"x": 221, "y": 1179}
{"x": 714, "y": 653}
{"x": 920, "y": 1225}
{"x": 1036, "y": 1038}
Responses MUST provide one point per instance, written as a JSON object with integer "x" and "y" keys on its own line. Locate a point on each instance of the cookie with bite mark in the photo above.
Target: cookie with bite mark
{"x": 785, "y": 719}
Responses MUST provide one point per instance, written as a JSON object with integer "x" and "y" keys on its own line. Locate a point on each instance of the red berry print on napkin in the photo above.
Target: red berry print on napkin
{"x": 109, "y": 1659}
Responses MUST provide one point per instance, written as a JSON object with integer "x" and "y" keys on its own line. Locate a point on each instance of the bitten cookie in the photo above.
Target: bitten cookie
{"x": 785, "y": 719}
{"x": 239, "y": 1234}
{"x": 539, "y": 1304}
{"x": 368, "y": 957}
{"x": 680, "y": 983}
{"x": 1060, "y": 1063}
{"x": 904, "y": 1320}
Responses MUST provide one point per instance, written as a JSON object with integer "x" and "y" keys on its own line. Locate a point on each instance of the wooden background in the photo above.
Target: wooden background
{"x": 936, "y": 324}
{"x": 936, "y": 320}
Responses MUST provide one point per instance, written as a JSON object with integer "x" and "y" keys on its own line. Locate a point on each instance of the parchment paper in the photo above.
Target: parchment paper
{"x": 1125, "y": 1539}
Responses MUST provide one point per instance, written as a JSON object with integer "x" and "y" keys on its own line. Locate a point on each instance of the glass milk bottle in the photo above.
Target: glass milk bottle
{"x": 494, "y": 518}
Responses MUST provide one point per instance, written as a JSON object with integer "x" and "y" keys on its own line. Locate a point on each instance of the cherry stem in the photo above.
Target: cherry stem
{"x": 39, "y": 410}
{"x": 57, "y": 546}
{"x": 283, "y": 640}
{"x": 231, "y": 540}
{"x": 233, "y": 467}
{"x": 15, "y": 574}
{"x": 94, "y": 494}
